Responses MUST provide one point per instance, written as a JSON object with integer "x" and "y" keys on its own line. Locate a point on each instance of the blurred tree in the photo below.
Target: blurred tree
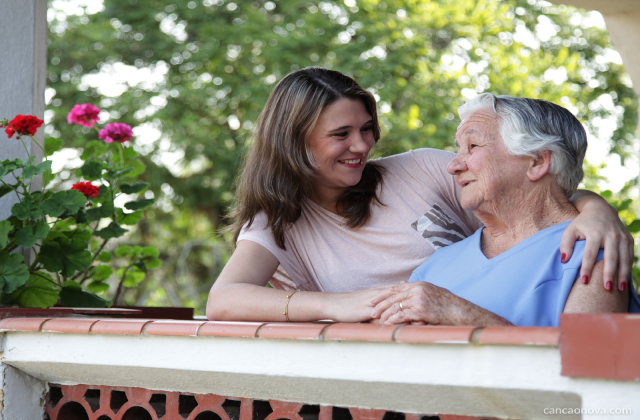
{"x": 207, "y": 67}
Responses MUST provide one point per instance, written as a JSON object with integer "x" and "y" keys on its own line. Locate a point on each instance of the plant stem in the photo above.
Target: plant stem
{"x": 95, "y": 256}
{"x": 120, "y": 286}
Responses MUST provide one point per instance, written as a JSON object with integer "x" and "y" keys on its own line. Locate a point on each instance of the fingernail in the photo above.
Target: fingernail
{"x": 585, "y": 279}
{"x": 609, "y": 286}
{"x": 623, "y": 287}
{"x": 564, "y": 257}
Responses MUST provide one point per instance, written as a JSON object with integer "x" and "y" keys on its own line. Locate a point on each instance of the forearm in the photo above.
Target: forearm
{"x": 467, "y": 313}
{"x": 248, "y": 302}
{"x": 584, "y": 199}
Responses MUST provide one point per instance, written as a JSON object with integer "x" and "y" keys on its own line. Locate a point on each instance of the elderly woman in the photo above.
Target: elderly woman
{"x": 518, "y": 162}
{"x": 314, "y": 214}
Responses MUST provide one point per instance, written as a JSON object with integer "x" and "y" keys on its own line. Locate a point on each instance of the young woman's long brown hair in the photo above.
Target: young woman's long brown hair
{"x": 278, "y": 170}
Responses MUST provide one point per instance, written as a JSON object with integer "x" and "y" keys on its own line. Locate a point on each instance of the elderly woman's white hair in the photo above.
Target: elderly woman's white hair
{"x": 530, "y": 126}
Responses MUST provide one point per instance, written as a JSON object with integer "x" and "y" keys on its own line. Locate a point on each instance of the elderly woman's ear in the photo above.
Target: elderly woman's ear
{"x": 539, "y": 166}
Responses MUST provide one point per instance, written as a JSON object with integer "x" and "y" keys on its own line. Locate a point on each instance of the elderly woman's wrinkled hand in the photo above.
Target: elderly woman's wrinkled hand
{"x": 417, "y": 303}
{"x": 599, "y": 224}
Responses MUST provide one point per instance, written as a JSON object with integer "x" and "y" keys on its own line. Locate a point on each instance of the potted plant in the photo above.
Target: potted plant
{"x": 66, "y": 235}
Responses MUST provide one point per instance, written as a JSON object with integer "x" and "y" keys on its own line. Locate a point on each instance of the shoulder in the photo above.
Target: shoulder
{"x": 420, "y": 157}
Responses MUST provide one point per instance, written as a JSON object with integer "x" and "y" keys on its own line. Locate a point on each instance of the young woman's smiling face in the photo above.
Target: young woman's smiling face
{"x": 340, "y": 143}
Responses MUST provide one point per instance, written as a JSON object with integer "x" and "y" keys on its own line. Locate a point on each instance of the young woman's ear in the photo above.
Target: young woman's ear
{"x": 539, "y": 166}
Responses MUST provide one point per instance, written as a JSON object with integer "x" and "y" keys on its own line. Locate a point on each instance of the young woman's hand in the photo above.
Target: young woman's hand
{"x": 599, "y": 224}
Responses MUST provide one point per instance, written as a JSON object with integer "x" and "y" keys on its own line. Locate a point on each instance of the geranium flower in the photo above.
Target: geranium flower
{"x": 116, "y": 132}
{"x": 88, "y": 189}
{"x": 86, "y": 115}
{"x": 24, "y": 125}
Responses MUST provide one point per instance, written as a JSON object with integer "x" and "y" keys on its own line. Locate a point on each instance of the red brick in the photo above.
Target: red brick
{"x": 532, "y": 336}
{"x": 119, "y": 326}
{"x": 627, "y": 345}
{"x": 176, "y": 328}
{"x": 22, "y": 324}
{"x": 69, "y": 325}
{"x": 434, "y": 334}
{"x": 588, "y": 345}
{"x": 308, "y": 331}
{"x": 230, "y": 329}
{"x": 360, "y": 332}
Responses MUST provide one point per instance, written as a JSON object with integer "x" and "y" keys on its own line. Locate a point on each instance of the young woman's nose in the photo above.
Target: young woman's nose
{"x": 359, "y": 145}
{"x": 457, "y": 165}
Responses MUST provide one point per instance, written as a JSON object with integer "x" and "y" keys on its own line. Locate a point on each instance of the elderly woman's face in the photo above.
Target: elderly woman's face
{"x": 483, "y": 168}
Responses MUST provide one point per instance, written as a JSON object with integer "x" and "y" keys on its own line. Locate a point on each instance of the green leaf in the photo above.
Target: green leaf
{"x": 72, "y": 284}
{"x": 634, "y": 227}
{"x": 149, "y": 251}
{"x": 27, "y": 209}
{"x": 64, "y": 255}
{"x": 104, "y": 257}
{"x": 92, "y": 170}
{"x": 125, "y": 251}
{"x": 72, "y": 297}
{"x": 112, "y": 231}
{"x": 129, "y": 218}
{"x": 97, "y": 213}
{"x": 6, "y": 189}
{"x": 139, "y": 204}
{"x": 5, "y": 228}
{"x": 8, "y": 166}
{"x": 13, "y": 271}
{"x": 52, "y": 145}
{"x": 129, "y": 153}
{"x": 152, "y": 262}
{"x": 29, "y": 235}
{"x": 69, "y": 201}
{"x": 97, "y": 287}
{"x": 93, "y": 149}
{"x": 38, "y": 292}
{"x": 132, "y": 277}
{"x": 31, "y": 170}
{"x": 101, "y": 272}
{"x": 116, "y": 174}
{"x": 138, "y": 168}
{"x": 134, "y": 188}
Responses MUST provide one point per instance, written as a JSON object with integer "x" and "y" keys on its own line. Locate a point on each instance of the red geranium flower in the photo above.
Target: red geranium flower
{"x": 24, "y": 125}
{"x": 116, "y": 132}
{"x": 88, "y": 189}
{"x": 86, "y": 115}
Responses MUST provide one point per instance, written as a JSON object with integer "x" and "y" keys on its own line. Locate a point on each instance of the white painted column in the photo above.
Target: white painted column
{"x": 23, "y": 71}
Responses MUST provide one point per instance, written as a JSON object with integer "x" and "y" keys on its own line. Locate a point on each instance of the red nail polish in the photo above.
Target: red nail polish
{"x": 564, "y": 257}
{"x": 609, "y": 286}
{"x": 623, "y": 287}
{"x": 585, "y": 279}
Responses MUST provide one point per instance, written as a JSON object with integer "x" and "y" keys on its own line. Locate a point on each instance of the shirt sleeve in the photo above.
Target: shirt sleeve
{"x": 288, "y": 274}
{"x": 433, "y": 163}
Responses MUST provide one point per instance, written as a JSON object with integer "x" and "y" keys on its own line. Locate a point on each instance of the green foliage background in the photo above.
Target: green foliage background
{"x": 222, "y": 58}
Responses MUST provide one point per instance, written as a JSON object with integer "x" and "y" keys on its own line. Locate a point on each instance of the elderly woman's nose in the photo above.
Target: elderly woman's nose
{"x": 457, "y": 165}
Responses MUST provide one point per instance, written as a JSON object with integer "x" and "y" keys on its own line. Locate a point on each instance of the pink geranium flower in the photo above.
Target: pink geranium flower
{"x": 86, "y": 115}
{"x": 116, "y": 132}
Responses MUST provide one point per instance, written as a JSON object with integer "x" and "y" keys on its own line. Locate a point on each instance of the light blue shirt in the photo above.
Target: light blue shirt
{"x": 527, "y": 284}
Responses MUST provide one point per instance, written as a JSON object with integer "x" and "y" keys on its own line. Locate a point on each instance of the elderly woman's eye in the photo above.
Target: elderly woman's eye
{"x": 342, "y": 134}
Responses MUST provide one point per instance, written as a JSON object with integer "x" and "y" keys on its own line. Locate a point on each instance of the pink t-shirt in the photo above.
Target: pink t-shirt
{"x": 420, "y": 213}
